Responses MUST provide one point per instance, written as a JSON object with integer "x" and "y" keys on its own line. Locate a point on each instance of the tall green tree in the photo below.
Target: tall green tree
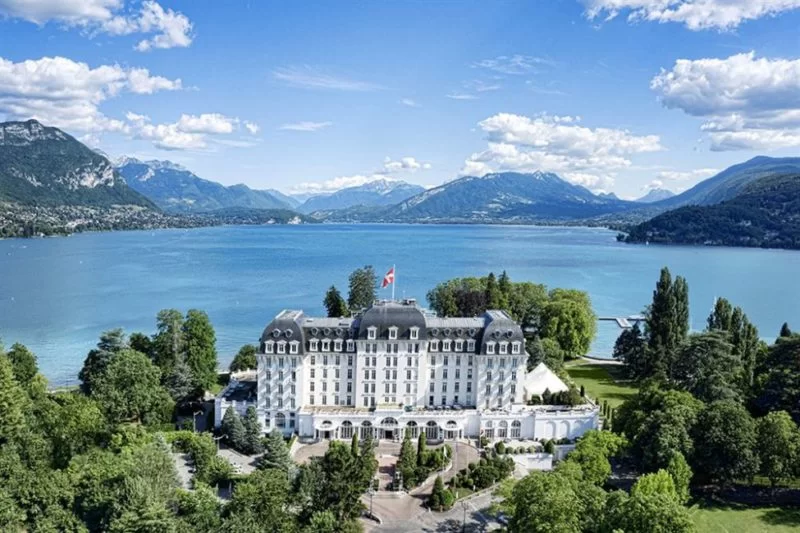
{"x": 261, "y": 501}
{"x": 630, "y": 348}
{"x": 646, "y": 512}
{"x": 707, "y": 367}
{"x": 141, "y": 343}
{"x": 201, "y": 348}
{"x": 779, "y": 385}
{"x": 111, "y": 343}
{"x": 363, "y": 283}
{"x": 180, "y": 381}
{"x": 656, "y": 483}
{"x": 23, "y": 363}
{"x": 334, "y": 303}
{"x": 658, "y": 423}
{"x": 199, "y": 510}
{"x": 666, "y": 324}
{"x": 169, "y": 341}
{"x": 778, "y": 446}
{"x": 130, "y": 390}
{"x": 233, "y": 427}
{"x": 545, "y": 502}
{"x": 407, "y": 463}
{"x": 245, "y": 359}
{"x": 495, "y": 298}
{"x": 725, "y": 443}
{"x": 681, "y": 474}
{"x": 276, "y": 453}
{"x": 546, "y": 351}
{"x": 12, "y": 403}
{"x": 569, "y": 319}
{"x": 721, "y": 317}
{"x": 785, "y": 330}
{"x": 252, "y": 432}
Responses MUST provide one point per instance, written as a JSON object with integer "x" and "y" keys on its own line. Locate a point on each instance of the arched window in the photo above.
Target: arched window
{"x": 280, "y": 420}
{"x": 412, "y": 430}
{"x": 516, "y": 429}
{"x": 389, "y": 423}
{"x": 366, "y": 430}
{"x": 432, "y": 431}
{"x": 502, "y": 430}
{"x": 346, "y": 431}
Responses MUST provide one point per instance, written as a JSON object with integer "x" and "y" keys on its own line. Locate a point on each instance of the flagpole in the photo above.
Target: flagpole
{"x": 394, "y": 281}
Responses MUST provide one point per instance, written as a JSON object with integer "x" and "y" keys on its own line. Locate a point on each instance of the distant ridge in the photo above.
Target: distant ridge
{"x": 655, "y": 195}
{"x": 178, "y": 190}
{"x": 380, "y": 192}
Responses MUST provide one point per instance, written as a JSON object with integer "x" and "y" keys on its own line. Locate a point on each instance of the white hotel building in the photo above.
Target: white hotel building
{"x": 396, "y": 367}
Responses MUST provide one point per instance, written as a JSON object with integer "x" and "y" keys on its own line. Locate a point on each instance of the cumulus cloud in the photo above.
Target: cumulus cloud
{"x": 690, "y": 175}
{"x": 167, "y": 28}
{"x": 252, "y": 127}
{"x": 516, "y": 64}
{"x": 309, "y": 77}
{"x": 747, "y": 102}
{"x": 189, "y": 132}
{"x": 67, "y": 93}
{"x": 306, "y": 126}
{"x": 582, "y": 155}
{"x": 407, "y": 164}
{"x": 694, "y": 14}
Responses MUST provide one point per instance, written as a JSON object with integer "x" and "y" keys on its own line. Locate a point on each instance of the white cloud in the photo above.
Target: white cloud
{"x": 655, "y": 184}
{"x": 690, "y": 175}
{"x": 461, "y": 96}
{"x": 409, "y": 102}
{"x": 408, "y": 164}
{"x": 336, "y": 184}
{"x": 748, "y": 102}
{"x": 66, "y": 93}
{"x": 582, "y": 155}
{"x": 516, "y": 64}
{"x": 306, "y": 126}
{"x": 481, "y": 86}
{"x": 694, "y": 14}
{"x": 168, "y": 28}
{"x": 314, "y": 78}
{"x": 252, "y": 127}
{"x": 189, "y": 132}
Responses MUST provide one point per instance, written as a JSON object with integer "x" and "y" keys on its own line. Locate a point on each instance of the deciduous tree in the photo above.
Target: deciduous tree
{"x": 363, "y": 283}
{"x": 23, "y": 363}
{"x": 725, "y": 441}
{"x": 201, "y": 349}
{"x": 545, "y": 502}
{"x": 778, "y": 446}
{"x": 707, "y": 367}
{"x": 245, "y": 359}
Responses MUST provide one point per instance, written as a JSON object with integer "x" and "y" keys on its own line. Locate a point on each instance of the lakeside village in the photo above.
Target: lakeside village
{"x": 476, "y": 414}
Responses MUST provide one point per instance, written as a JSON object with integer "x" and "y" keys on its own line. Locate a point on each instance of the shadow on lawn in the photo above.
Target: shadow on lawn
{"x": 582, "y": 374}
{"x": 782, "y": 517}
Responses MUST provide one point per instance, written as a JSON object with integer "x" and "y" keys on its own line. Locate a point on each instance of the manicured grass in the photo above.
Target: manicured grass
{"x": 729, "y": 519}
{"x": 605, "y": 382}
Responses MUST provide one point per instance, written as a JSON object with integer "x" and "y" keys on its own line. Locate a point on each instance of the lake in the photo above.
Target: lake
{"x": 57, "y": 295}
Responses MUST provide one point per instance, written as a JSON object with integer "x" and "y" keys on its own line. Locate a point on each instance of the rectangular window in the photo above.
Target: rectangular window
{"x": 325, "y": 359}
{"x": 324, "y": 400}
{"x": 269, "y": 347}
{"x": 313, "y": 345}
{"x": 502, "y": 362}
{"x": 489, "y": 375}
{"x": 515, "y": 348}
{"x": 503, "y": 347}
{"x": 514, "y": 375}
{"x": 386, "y": 388}
{"x": 500, "y": 389}
{"x": 433, "y": 373}
{"x": 369, "y": 348}
{"x": 446, "y": 345}
{"x": 324, "y": 373}
{"x": 349, "y": 373}
{"x": 292, "y": 388}
{"x": 268, "y": 374}
{"x": 514, "y": 362}
{"x": 469, "y": 373}
{"x": 313, "y": 359}
{"x": 366, "y": 401}
{"x": 293, "y": 347}
{"x": 393, "y": 333}
{"x": 444, "y": 400}
{"x": 372, "y": 388}
{"x": 324, "y": 386}
{"x": 490, "y": 347}
{"x": 267, "y": 403}
{"x": 387, "y": 374}
{"x": 349, "y": 386}
{"x": 349, "y": 400}
{"x": 414, "y": 333}
{"x": 455, "y": 399}
{"x": 366, "y": 374}
{"x": 469, "y": 386}
{"x": 459, "y": 345}
{"x": 458, "y": 373}
{"x": 336, "y": 373}
{"x": 470, "y": 345}
{"x": 311, "y": 386}
{"x": 489, "y": 363}
{"x": 430, "y": 400}
{"x": 445, "y": 360}
{"x": 280, "y": 388}
{"x": 335, "y": 400}
{"x": 513, "y": 389}
{"x": 366, "y": 387}
{"x": 408, "y": 374}
{"x": 291, "y": 405}
{"x": 431, "y": 386}
{"x": 311, "y": 400}
{"x": 281, "y": 347}
{"x": 488, "y": 390}
{"x": 350, "y": 347}
{"x": 349, "y": 359}
{"x": 444, "y": 386}
{"x": 338, "y": 360}
{"x": 280, "y": 362}
{"x": 280, "y": 403}
{"x": 373, "y": 373}
{"x": 444, "y": 373}
{"x": 337, "y": 346}
{"x": 372, "y": 333}
{"x": 434, "y": 346}
{"x": 394, "y": 374}
{"x": 469, "y": 361}
{"x": 408, "y": 388}
{"x": 311, "y": 373}
{"x": 408, "y": 361}
{"x": 294, "y": 375}
{"x": 502, "y": 375}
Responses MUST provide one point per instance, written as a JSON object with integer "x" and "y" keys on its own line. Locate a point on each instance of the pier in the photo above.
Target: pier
{"x": 624, "y": 322}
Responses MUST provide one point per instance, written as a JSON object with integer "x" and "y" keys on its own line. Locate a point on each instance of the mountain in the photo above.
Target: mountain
{"x": 655, "y": 195}
{"x": 43, "y": 166}
{"x": 608, "y": 195}
{"x": 728, "y": 183}
{"x": 765, "y": 213}
{"x": 176, "y": 189}
{"x": 507, "y": 196}
{"x": 381, "y": 192}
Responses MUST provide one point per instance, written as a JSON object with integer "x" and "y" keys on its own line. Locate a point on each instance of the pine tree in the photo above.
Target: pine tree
{"x": 201, "y": 349}
{"x": 422, "y": 444}
{"x": 169, "y": 341}
{"x": 720, "y": 318}
{"x": 407, "y": 463}
{"x": 785, "y": 331}
{"x": 252, "y": 432}
{"x": 234, "y": 429}
{"x": 334, "y": 303}
{"x": 362, "y": 288}
{"x": 12, "y": 418}
{"x": 494, "y": 298}
{"x": 111, "y": 343}
{"x": 504, "y": 284}
{"x": 354, "y": 444}
{"x": 276, "y": 454}
{"x": 666, "y": 325}
{"x": 180, "y": 382}
{"x": 23, "y": 363}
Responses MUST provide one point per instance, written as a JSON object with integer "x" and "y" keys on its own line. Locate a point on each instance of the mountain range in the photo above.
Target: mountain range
{"x": 381, "y": 192}
{"x": 655, "y": 195}
{"x": 42, "y": 166}
{"x": 176, "y": 189}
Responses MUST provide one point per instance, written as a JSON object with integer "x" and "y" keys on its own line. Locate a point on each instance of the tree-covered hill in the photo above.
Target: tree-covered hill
{"x": 44, "y": 166}
{"x": 766, "y": 213}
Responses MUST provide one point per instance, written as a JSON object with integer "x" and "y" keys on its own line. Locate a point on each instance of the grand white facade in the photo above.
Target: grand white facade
{"x": 395, "y": 368}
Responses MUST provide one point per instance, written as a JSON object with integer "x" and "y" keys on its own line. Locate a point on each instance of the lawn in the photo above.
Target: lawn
{"x": 725, "y": 519}
{"x": 605, "y": 382}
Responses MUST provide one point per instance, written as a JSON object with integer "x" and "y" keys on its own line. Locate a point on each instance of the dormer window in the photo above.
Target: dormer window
{"x": 446, "y": 345}
{"x": 269, "y": 347}
{"x": 490, "y": 347}
{"x": 393, "y": 333}
{"x": 470, "y": 345}
{"x": 414, "y": 333}
{"x": 351, "y": 346}
{"x": 326, "y": 345}
{"x": 434, "y": 346}
{"x": 337, "y": 345}
{"x": 282, "y": 347}
{"x": 372, "y": 333}
{"x": 313, "y": 345}
{"x": 293, "y": 346}
{"x": 503, "y": 347}
{"x": 515, "y": 347}
{"x": 459, "y": 346}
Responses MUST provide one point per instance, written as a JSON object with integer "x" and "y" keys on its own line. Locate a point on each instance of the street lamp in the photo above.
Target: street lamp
{"x": 464, "y": 523}
{"x": 217, "y": 439}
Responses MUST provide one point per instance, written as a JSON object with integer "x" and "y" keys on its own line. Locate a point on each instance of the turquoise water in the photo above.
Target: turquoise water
{"x": 57, "y": 295}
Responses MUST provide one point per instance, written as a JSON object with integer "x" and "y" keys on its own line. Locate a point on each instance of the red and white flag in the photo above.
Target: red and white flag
{"x": 388, "y": 279}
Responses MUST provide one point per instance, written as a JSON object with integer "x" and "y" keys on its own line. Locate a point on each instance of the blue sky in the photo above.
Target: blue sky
{"x": 617, "y": 95}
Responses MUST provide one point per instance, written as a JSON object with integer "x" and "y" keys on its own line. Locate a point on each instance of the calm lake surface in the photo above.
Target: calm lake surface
{"x": 57, "y": 295}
